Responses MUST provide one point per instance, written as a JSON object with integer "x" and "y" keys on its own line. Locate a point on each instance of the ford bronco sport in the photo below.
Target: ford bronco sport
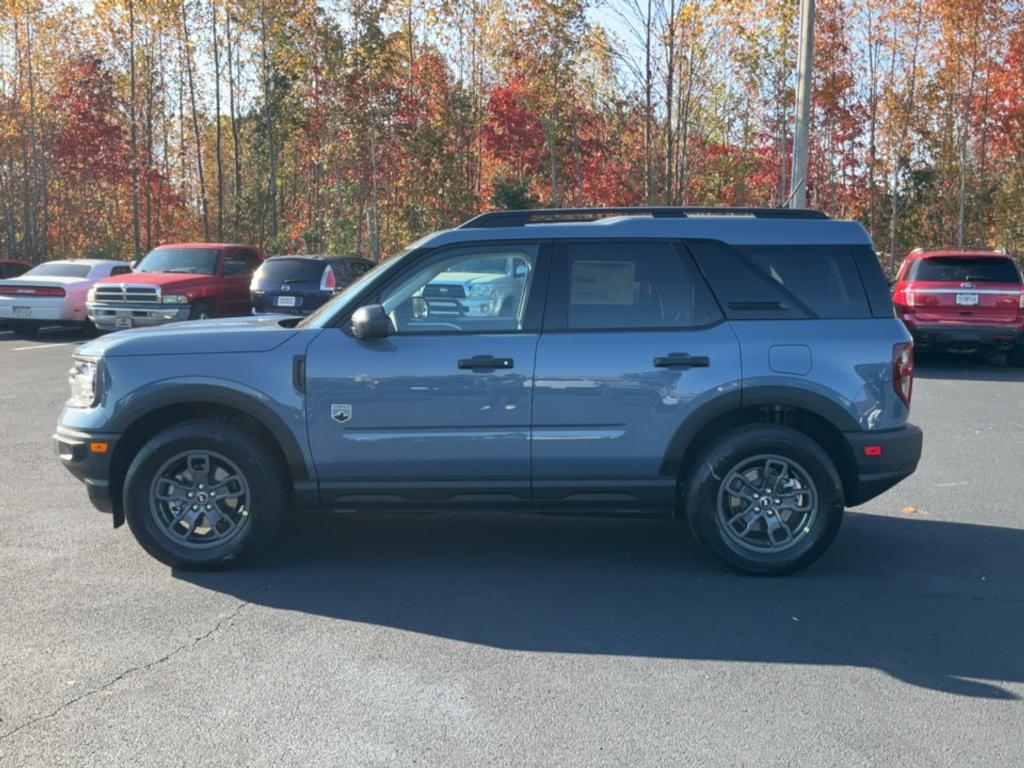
{"x": 739, "y": 367}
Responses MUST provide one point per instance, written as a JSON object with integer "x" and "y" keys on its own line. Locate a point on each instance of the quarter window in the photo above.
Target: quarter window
{"x": 624, "y": 285}
{"x": 824, "y": 278}
{"x": 478, "y": 290}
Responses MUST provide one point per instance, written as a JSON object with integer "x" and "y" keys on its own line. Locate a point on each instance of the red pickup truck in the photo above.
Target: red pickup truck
{"x": 185, "y": 281}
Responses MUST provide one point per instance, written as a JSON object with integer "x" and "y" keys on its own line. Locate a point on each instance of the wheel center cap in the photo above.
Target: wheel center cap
{"x": 201, "y": 498}
{"x": 766, "y": 503}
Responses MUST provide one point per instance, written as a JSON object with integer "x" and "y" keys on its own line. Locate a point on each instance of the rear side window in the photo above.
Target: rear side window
{"x": 964, "y": 269}
{"x": 824, "y": 278}
{"x": 631, "y": 285}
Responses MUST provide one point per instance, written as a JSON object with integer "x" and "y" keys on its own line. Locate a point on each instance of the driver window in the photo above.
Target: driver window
{"x": 478, "y": 290}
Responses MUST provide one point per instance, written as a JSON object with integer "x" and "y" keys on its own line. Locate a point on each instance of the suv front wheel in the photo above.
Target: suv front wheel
{"x": 203, "y": 494}
{"x": 765, "y": 499}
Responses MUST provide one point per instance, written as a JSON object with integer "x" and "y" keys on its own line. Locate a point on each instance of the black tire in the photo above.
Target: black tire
{"x": 24, "y": 330}
{"x": 743, "y": 444}
{"x": 261, "y": 473}
{"x": 1015, "y": 357}
{"x": 201, "y": 310}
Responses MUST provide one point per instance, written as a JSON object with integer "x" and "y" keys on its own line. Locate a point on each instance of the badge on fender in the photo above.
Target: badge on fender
{"x": 341, "y": 412}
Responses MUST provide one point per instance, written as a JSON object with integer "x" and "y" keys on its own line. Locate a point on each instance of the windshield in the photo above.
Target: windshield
{"x": 965, "y": 269}
{"x": 59, "y": 269}
{"x": 328, "y": 309}
{"x": 189, "y": 261}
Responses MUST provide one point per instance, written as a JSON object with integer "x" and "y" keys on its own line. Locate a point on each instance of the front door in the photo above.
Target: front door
{"x": 633, "y": 344}
{"x": 439, "y": 411}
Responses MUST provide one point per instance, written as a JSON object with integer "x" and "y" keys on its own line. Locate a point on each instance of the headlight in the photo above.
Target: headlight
{"x": 481, "y": 292}
{"x": 174, "y": 298}
{"x": 91, "y": 295}
{"x": 83, "y": 378}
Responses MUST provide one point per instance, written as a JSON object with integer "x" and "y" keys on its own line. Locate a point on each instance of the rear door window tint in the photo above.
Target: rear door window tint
{"x": 824, "y": 278}
{"x": 624, "y": 285}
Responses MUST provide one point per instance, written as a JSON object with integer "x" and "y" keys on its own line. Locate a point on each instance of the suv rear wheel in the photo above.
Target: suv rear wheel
{"x": 765, "y": 499}
{"x": 203, "y": 495}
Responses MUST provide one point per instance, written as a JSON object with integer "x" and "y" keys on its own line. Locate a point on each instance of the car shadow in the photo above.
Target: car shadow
{"x": 934, "y": 604}
{"x": 48, "y": 335}
{"x": 972, "y": 367}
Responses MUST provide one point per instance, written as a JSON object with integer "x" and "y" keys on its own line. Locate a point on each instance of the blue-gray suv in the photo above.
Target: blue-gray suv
{"x": 741, "y": 368}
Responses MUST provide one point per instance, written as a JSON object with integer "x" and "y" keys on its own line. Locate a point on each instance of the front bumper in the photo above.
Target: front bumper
{"x": 109, "y": 316}
{"x": 1000, "y": 338}
{"x": 881, "y": 459}
{"x": 78, "y": 452}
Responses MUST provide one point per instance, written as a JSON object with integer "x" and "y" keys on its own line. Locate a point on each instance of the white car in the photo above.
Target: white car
{"x": 53, "y": 293}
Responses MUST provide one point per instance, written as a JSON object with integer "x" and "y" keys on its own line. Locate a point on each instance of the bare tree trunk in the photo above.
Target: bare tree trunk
{"x": 195, "y": 125}
{"x": 648, "y": 108}
{"x": 235, "y": 138}
{"x": 216, "y": 117}
{"x": 904, "y": 133}
{"x": 134, "y": 132}
{"x": 670, "y": 74}
{"x": 268, "y": 98}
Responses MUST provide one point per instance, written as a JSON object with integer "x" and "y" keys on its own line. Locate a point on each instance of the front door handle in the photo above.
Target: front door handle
{"x": 485, "y": 363}
{"x": 682, "y": 360}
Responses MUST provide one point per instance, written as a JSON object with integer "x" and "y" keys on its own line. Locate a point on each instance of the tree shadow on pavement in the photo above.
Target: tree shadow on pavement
{"x": 935, "y": 604}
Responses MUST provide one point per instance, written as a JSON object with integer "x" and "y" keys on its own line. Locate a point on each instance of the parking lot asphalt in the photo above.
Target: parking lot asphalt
{"x": 521, "y": 640}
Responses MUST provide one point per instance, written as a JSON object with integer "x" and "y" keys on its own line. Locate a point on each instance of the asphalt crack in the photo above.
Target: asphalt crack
{"x": 188, "y": 645}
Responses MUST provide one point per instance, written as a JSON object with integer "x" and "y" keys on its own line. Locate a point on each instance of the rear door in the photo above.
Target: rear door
{"x": 633, "y": 343}
{"x": 965, "y": 290}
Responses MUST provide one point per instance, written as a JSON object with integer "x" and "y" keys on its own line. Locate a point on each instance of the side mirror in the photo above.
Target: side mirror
{"x": 370, "y": 322}
{"x": 134, "y": 264}
{"x": 520, "y": 270}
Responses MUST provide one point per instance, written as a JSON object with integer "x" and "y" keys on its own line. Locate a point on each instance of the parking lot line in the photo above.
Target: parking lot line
{"x": 42, "y": 346}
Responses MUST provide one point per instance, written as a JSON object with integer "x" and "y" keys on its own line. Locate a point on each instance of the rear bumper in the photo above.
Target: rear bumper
{"x": 106, "y": 315}
{"x": 875, "y": 474}
{"x": 998, "y": 337}
{"x": 92, "y": 467}
{"x": 55, "y": 311}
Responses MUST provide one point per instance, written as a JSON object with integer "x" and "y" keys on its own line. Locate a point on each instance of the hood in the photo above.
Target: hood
{"x": 165, "y": 280}
{"x": 195, "y": 337}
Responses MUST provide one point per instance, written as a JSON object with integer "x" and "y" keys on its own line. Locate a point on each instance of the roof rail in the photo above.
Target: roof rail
{"x": 521, "y": 218}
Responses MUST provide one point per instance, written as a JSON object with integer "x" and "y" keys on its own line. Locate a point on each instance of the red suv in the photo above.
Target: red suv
{"x": 189, "y": 281}
{"x": 962, "y": 300}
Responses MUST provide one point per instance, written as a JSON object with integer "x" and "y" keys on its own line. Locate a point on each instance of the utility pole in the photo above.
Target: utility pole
{"x": 805, "y": 66}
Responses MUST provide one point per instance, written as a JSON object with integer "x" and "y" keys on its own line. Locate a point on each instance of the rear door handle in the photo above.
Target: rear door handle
{"x": 485, "y": 363}
{"x": 682, "y": 360}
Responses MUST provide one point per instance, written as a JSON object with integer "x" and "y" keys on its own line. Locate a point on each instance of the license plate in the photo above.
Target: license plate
{"x": 967, "y": 299}
{"x": 23, "y": 311}
{"x": 286, "y": 301}
{"x": 122, "y": 322}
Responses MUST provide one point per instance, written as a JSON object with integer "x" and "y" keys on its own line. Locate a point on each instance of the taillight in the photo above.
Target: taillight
{"x": 327, "y": 282}
{"x": 1022, "y": 300}
{"x": 903, "y": 371}
{"x": 31, "y": 290}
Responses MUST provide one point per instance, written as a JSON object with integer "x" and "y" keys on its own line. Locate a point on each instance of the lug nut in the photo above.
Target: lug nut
{"x": 190, "y": 494}
{"x": 208, "y": 507}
